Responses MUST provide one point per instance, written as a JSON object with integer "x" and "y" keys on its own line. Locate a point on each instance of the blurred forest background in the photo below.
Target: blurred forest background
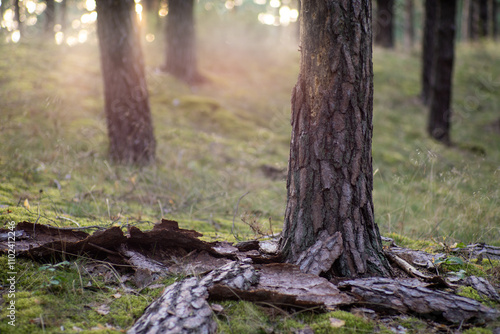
{"x": 222, "y": 143}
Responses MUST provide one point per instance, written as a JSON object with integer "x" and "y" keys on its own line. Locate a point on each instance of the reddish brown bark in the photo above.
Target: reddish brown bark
{"x": 330, "y": 168}
{"x": 128, "y": 115}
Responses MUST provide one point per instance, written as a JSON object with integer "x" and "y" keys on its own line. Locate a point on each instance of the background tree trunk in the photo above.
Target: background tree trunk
{"x": 17, "y": 15}
{"x": 474, "y": 20}
{"x": 126, "y": 96}
{"x": 483, "y": 18}
{"x": 64, "y": 15}
{"x": 465, "y": 25}
{"x": 50, "y": 17}
{"x": 181, "y": 59}
{"x": 409, "y": 28}
{"x": 428, "y": 48}
{"x": 384, "y": 33}
{"x": 330, "y": 176}
{"x": 441, "y": 84}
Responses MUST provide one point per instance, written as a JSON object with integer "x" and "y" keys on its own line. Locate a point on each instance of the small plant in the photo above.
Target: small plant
{"x": 55, "y": 280}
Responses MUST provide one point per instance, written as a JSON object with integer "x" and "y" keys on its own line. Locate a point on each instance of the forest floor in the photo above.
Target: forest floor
{"x": 222, "y": 144}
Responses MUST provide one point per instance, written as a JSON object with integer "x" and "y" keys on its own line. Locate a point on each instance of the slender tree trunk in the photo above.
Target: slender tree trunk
{"x": 465, "y": 20}
{"x": 441, "y": 85}
{"x": 64, "y": 15}
{"x": 128, "y": 116}
{"x": 474, "y": 20}
{"x": 492, "y": 18}
{"x": 384, "y": 34}
{"x": 428, "y": 48}
{"x": 150, "y": 14}
{"x": 483, "y": 18}
{"x": 50, "y": 17}
{"x": 181, "y": 60}
{"x": 330, "y": 177}
{"x": 17, "y": 15}
{"x": 409, "y": 25}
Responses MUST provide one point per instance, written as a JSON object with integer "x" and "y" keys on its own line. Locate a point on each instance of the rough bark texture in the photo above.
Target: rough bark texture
{"x": 412, "y": 296}
{"x": 409, "y": 37}
{"x": 50, "y": 17}
{"x": 441, "y": 83}
{"x": 428, "y": 48}
{"x": 384, "y": 24}
{"x": 181, "y": 59}
{"x": 330, "y": 167}
{"x": 128, "y": 115}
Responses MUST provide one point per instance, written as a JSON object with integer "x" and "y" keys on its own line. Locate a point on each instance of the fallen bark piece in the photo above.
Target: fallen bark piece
{"x": 416, "y": 257}
{"x": 410, "y": 296}
{"x": 479, "y": 251}
{"x": 141, "y": 262}
{"x": 483, "y": 287}
{"x": 183, "y": 308}
{"x": 285, "y": 284}
{"x": 408, "y": 268}
{"x": 320, "y": 257}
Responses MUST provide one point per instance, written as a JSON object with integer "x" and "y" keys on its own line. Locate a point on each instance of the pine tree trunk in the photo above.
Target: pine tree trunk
{"x": 181, "y": 59}
{"x": 465, "y": 34}
{"x": 384, "y": 35}
{"x": 483, "y": 18}
{"x": 441, "y": 85}
{"x": 50, "y": 17}
{"x": 330, "y": 176}
{"x": 409, "y": 37}
{"x": 128, "y": 116}
{"x": 17, "y": 15}
{"x": 428, "y": 48}
{"x": 474, "y": 20}
{"x": 64, "y": 15}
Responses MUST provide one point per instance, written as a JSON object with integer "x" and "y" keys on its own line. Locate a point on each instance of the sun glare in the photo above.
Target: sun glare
{"x": 59, "y": 37}
{"x": 30, "y": 6}
{"x": 90, "y": 5}
{"x": 16, "y": 36}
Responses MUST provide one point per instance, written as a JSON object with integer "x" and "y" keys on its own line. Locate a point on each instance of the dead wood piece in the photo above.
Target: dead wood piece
{"x": 245, "y": 246}
{"x": 182, "y": 308}
{"x": 197, "y": 263}
{"x": 45, "y": 241}
{"x": 320, "y": 257}
{"x": 480, "y": 251}
{"x": 285, "y": 284}
{"x": 408, "y": 268}
{"x": 141, "y": 262}
{"x": 416, "y": 257}
{"x": 410, "y": 296}
{"x": 482, "y": 286}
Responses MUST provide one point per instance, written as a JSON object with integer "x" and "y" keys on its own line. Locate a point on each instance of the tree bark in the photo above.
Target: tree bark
{"x": 441, "y": 83}
{"x": 181, "y": 59}
{"x": 474, "y": 20}
{"x": 330, "y": 176}
{"x": 50, "y": 17}
{"x": 409, "y": 25}
{"x": 428, "y": 48}
{"x": 384, "y": 34}
{"x": 128, "y": 115}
